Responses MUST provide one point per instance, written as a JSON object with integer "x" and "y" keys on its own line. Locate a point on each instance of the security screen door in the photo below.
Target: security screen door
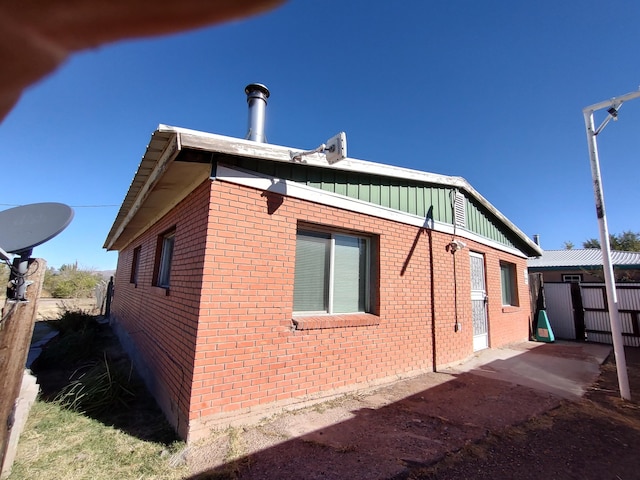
{"x": 478, "y": 302}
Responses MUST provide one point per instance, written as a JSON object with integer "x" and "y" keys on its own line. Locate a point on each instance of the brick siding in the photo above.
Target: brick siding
{"x": 223, "y": 341}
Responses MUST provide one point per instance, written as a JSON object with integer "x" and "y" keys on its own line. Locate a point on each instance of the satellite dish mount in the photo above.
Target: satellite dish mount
{"x": 335, "y": 149}
{"x": 21, "y": 229}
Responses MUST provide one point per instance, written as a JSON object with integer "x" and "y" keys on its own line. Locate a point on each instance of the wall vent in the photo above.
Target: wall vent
{"x": 460, "y": 209}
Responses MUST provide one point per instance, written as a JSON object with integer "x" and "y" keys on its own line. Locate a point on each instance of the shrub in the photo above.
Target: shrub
{"x": 73, "y": 347}
{"x": 76, "y": 341}
{"x": 98, "y": 389}
{"x": 70, "y": 282}
{"x": 74, "y": 320}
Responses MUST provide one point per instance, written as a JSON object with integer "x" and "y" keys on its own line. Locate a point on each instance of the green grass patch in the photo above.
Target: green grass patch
{"x": 95, "y": 419}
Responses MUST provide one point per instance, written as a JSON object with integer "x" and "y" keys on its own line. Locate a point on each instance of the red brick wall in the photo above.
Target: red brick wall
{"x": 159, "y": 326}
{"x": 507, "y": 324}
{"x": 246, "y": 352}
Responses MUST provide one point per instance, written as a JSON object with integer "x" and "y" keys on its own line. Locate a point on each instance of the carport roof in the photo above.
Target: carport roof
{"x": 586, "y": 257}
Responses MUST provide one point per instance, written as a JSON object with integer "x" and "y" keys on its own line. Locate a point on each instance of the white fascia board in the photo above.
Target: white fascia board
{"x": 246, "y": 148}
{"x": 266, "y": 151}
{"x": 304, "y": 192}
{"x": 170, "y": 152}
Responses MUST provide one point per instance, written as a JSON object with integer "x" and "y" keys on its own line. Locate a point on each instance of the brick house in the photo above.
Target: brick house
{"x": 247, "y": 280}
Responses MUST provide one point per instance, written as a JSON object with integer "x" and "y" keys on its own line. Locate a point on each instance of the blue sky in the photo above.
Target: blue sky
{"x": 492, "y": 91}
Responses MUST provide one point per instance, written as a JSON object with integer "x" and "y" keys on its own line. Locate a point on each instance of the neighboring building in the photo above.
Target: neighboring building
{"x": 247, "y": 279}
{"x": 584, "y": 266}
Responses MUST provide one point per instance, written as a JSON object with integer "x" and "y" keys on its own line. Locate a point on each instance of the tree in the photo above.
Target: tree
{"x": 70, "y": 282}
{"x": 591, "y": 243}
{"x": 568, "y": 245}
{"x": 626, "y": 241}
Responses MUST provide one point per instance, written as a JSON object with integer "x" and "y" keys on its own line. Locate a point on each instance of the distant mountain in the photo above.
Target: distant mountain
{"x": 106, "y": 274}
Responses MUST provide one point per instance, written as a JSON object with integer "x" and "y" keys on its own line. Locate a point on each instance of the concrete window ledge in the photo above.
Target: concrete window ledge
{"x": 509, "y": 309}
{"x": 314, "y": 322}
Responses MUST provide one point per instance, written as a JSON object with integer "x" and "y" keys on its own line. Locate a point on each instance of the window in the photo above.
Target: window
{"x": 572, "y": 278}
{"x": 508, "y": 283}
{"x": 164, "y": 257}
{"x": 135, "y": 265}
{"x": 332, "y": 273}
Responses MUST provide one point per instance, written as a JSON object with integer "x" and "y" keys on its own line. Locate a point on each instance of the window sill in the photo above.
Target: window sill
{"x": 510, "y": 309}
{"x": 314, "y": 322}
{"x": 160, "y": 291}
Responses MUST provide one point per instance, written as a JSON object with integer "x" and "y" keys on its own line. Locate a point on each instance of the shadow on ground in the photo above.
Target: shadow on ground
{"x": 398, "y": 431}
{"x": 69, "y": 355}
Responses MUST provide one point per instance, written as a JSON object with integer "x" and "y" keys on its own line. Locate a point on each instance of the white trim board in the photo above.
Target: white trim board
{"x": 304, "y": 192}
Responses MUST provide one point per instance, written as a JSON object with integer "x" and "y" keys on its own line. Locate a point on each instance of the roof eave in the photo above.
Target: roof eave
{"x": 245, "y": 148}
{"x": 167, "y": 141}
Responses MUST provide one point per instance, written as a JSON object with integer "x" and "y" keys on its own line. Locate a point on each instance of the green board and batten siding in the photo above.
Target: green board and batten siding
{"x": 403, "y": 195}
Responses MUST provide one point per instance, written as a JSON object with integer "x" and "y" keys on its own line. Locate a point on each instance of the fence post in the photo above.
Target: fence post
{"x": 536, "y": 296}
{"x": 107, "y": 308}
{"x": 16, "y": 330}
{"x": 578, "y": 312}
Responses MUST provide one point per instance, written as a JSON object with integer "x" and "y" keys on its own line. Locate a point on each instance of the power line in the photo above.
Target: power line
{"x": 74, "y": 206}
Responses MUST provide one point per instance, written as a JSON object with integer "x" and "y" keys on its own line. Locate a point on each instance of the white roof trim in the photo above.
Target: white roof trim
{"x": 167, "y": 156}
{"x": 304, "y": 192}
{"x": 246, "y": 148}
{"x": 193, "y": 139}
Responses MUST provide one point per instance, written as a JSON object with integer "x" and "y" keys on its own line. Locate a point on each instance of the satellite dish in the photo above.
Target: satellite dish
{"x": 22, "y": 228}
{"x": 336, "y": 148}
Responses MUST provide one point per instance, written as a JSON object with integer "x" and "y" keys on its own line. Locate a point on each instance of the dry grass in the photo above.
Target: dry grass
{"x": 113, "y": 438}
{"x": 58, "y": 444}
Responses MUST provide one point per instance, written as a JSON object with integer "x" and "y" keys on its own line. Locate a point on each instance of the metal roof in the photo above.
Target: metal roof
{"x": 586, "y": 257}
{"x": 153, "y": 190}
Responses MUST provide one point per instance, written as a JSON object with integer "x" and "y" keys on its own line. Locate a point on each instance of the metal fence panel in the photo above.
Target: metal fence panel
{"x": 596, "y": 315}
{"x": 560, "y": 310}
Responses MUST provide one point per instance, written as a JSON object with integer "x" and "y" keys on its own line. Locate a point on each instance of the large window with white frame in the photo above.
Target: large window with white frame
{"x": 332, "y": 273}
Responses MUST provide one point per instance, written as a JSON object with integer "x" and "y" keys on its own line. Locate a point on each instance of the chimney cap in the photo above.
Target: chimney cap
{"x": 257, "y": 86}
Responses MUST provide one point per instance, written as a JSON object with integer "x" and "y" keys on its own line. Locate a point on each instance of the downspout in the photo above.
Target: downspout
{"x": 428, "y": 226}
{"x": 432, "y": 276}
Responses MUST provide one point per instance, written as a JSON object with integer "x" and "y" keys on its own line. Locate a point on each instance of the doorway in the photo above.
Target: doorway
{"x": 479, "y": 302}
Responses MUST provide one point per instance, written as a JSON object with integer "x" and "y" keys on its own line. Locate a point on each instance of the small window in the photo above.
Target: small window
{"x": 164, "y": 257}
{"x": 508, "y": 284}
{"x": 332, "y": 273}
{"x": 572, "y": 278}
{"x": 135, "y": 265}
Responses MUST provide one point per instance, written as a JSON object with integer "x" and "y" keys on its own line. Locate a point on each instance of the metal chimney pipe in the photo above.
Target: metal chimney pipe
{"x": 536, "y": 239}
{"x": 257, "y": 95}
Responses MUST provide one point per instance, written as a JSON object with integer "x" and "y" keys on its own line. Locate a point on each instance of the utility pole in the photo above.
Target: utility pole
{"x": 612, "y": 107}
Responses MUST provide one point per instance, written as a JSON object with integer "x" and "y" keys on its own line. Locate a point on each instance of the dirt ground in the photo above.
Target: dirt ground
{"x": 437, "y": 426}
{"x": 467, "y": 427}
{"x": 597, "y": 437}
{"x": 51, "y": 308}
